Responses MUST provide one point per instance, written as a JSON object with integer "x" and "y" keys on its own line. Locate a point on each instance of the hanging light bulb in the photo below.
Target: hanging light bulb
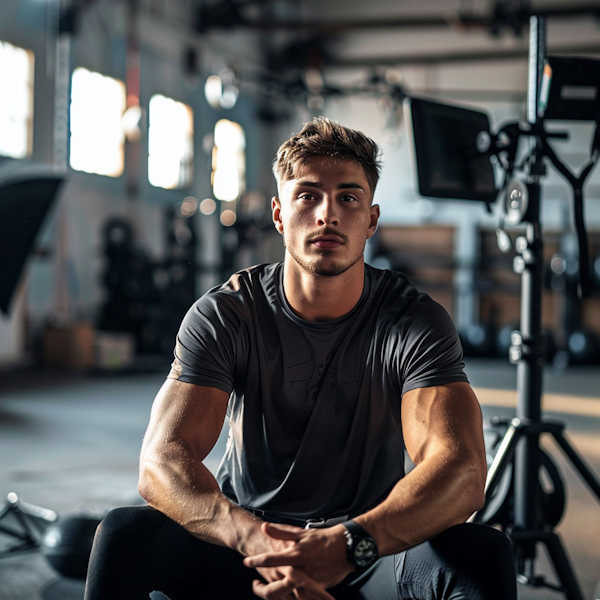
{"x": 213, "y": 90}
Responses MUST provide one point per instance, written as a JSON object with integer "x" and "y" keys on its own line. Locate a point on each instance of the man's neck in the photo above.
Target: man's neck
{"x": 322, "y": 298}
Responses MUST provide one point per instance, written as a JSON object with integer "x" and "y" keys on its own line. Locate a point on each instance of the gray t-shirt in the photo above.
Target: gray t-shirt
{"x": 314, "y": 408}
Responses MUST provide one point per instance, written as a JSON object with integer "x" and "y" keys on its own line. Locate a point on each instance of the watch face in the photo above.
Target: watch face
{"x": 365, "y": 552}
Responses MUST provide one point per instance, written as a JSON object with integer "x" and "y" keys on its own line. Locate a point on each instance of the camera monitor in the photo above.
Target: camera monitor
{"x": 451, "y": 151}
{"x": 570, "y": 89}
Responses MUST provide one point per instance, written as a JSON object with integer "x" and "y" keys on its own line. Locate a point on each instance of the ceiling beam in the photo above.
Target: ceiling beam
{"x": 454, "y": 20}
{"x": 471, "y": 56}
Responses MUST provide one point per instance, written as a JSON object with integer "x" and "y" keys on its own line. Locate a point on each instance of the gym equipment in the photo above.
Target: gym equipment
{"x": 503, "y": 342}
{"x": 25, "y": 200}
{"x": 583, "y": 347}
{"x": 143, "y": 296}
{"x": 579, "y": 345}
{"x": 67, "y": 544}
{"x": 525, "y": 518}
{"x": 29, "y": 523}
{"x": 477, "y": 339}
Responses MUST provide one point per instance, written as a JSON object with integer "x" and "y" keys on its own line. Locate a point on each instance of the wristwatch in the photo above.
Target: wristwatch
{"x": 361, "y": 548}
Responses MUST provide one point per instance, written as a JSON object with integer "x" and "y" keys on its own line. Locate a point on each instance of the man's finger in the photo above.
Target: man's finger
{"x": 300, "y": 585}
{"x": 273, "y": 591}
{"x": 283, "y": 532}
{"x": 273, "y": 559}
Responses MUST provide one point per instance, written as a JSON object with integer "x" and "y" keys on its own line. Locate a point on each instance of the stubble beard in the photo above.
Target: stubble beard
{"x": 321, "y": 267}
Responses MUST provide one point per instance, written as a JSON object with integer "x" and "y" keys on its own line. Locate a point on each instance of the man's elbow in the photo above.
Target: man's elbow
{"x": 144, "y": 487}
{"x": 476, "y": 501}
{"x": 475, "y": 487}
{"x": 147, "y": 479}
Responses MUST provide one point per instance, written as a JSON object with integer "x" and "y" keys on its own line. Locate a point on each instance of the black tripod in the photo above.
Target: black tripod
{"x": 520, "y": 445}
{"x": 30, "y": 521}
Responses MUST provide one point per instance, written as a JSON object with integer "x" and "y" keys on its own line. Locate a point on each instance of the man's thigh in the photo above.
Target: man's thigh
{"x": 138, "y": 550}
{"x": 467, "y": 561}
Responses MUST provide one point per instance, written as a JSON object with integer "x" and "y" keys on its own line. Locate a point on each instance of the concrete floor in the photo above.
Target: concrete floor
{"x": 71, "y": 443}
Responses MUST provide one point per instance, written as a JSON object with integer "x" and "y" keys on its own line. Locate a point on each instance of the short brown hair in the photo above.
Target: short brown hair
{"x": 322, "y": 137}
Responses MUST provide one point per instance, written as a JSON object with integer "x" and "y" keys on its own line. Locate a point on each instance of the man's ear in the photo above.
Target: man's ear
{"x": 276, "y": 213}
{"x": 374, "y": 220}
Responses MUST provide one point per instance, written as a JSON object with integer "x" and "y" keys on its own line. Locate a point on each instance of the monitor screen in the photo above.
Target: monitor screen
{"x": 448, "y": 162}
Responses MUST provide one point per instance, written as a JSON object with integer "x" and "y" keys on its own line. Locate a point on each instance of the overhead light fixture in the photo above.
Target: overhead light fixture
{"x": 213, "y": 90}
{"x": 221, "y": 90}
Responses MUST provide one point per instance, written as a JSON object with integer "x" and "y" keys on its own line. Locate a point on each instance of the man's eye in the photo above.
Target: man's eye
{"x": 348, "y": 199}
{"x": 306, "y": 197}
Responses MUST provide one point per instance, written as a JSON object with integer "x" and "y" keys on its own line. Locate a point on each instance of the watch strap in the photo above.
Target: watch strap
{"x": 354, "y": 528}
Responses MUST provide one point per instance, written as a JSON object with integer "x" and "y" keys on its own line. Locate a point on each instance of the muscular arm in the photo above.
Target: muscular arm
{"x": 443, "y": 436}
{"x": 185, "y": 423}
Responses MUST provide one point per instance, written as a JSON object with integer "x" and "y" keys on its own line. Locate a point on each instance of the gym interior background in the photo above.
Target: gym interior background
{"x": 136, "y": 141}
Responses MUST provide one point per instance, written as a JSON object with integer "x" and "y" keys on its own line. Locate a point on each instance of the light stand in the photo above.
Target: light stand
{"x": 32, "y": 521}
{"x": 520, "y": 445}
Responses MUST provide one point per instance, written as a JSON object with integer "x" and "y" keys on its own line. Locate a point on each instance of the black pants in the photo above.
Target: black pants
{"x": 138, "y": 550}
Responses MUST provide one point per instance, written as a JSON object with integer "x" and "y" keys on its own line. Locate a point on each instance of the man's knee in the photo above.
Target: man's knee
{"x": 127, "y": 527}
{"x": 474, "y": 543}
{"x": 482, "y": 557}
{"x": 468, "y": 561}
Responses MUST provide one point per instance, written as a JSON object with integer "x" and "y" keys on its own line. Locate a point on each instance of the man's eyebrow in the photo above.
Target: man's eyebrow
{"x": 351, "y": 185}
{"x": 341, "y": 186}
{"x": 315, "y": 184}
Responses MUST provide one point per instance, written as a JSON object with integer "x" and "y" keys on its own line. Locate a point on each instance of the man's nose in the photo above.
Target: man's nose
{"x": 327, "y": 213}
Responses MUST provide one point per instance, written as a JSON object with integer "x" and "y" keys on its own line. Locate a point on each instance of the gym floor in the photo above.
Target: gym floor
{"x": 71, "y": 443}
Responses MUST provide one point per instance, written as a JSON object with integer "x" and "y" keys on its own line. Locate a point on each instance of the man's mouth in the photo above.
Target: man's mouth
{"x": 327, "y": 241}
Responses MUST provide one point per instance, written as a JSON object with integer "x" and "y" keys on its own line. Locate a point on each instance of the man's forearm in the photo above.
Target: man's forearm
{"x": 182, "y": 488}
{"x": 431, "y": 498}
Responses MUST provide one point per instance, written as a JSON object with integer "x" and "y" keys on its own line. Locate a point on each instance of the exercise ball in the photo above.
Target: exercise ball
{"x": 67, "y": 544}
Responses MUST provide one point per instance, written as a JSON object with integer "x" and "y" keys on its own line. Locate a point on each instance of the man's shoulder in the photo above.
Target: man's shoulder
{"x": 391, "y": 286}
{"x": 243, "y": 290}
{"x": 395, "y": 296}
{"x": 249, "y": 280}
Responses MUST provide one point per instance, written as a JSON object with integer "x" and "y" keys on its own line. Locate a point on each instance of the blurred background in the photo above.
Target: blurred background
{"x": 136, "y": 144}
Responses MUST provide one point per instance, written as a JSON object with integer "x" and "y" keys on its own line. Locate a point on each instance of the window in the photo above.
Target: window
{"x": 228, "y": 161}
{"x": 170, "y": 143}
{"x": 16, "y": 101}
{"x": 97, "y": 140}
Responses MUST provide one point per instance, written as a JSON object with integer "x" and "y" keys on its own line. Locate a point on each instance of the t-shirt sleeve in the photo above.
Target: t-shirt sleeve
{"x": 207, "y": 343}
{"x": 431, "y": 350}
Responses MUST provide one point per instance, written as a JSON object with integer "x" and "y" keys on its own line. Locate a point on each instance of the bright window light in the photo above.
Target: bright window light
{"x": 170, "y": 143}
{"x": 97, "y": 140}
{"x": 228, "y": 161}
{"x": 16, "y": 101}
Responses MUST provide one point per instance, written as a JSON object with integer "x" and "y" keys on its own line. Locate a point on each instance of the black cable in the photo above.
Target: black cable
{"x": 584, "y": 286}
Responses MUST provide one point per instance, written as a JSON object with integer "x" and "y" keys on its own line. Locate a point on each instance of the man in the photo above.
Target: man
{"x": 327, "y": 370}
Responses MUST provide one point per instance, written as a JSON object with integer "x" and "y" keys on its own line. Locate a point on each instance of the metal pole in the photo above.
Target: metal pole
{"x": 530, "y": 365}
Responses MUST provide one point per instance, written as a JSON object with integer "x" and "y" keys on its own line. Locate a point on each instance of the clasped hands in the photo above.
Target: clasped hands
{"x": 299, "y": 563}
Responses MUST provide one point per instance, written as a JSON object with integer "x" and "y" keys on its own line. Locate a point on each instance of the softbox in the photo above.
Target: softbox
{"x": 24, "y": 203}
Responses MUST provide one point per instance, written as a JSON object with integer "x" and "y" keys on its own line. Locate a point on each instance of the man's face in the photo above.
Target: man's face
{"x": 325, "y": 215}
